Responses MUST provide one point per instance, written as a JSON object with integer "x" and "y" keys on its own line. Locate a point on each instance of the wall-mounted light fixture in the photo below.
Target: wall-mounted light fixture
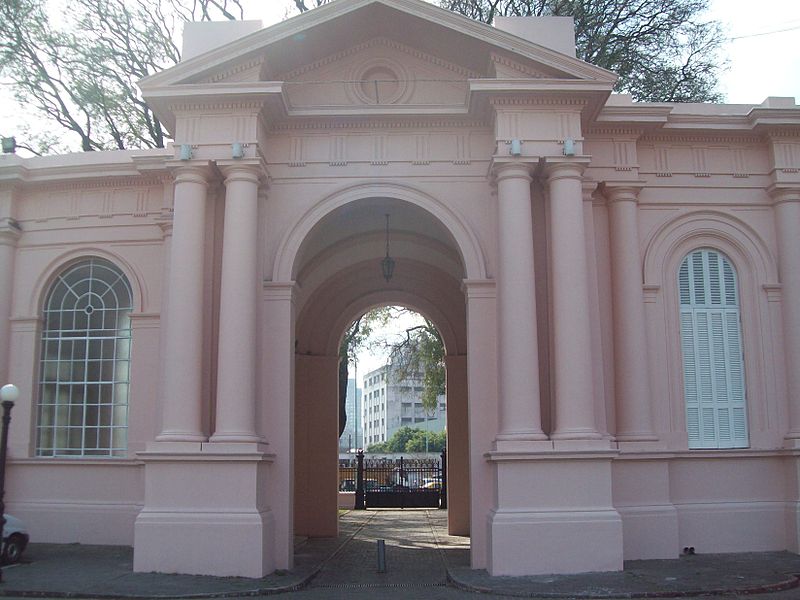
{"x": 9, "y": 145}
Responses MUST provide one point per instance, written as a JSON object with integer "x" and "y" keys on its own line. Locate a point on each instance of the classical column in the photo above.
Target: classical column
{"x": 183, "y": 327}
{"x": 236, "y": 359}
{"x": 9, "y": 234}
{"x": 518, "y": 356}
{"x": 631, "y": 369}
{"x": 787, "y": 226}
{"x": 572, "y": 339}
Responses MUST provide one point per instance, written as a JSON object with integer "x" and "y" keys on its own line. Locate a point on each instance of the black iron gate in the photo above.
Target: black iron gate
{"x": 401, "y": 482}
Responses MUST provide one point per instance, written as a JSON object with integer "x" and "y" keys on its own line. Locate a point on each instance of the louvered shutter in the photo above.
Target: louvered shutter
{"x": 713, "y": 369}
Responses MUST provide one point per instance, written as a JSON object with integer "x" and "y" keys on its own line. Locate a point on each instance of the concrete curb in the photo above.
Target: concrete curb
{"x": 780, "y": 586}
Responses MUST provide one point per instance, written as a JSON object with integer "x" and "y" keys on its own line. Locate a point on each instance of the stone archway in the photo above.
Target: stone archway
{"x": 338, "y": 274}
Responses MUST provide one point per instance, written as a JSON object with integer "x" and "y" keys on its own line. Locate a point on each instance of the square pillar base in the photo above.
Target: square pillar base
{"x": 554, "y": 514}
{"x": 205, "y": 514}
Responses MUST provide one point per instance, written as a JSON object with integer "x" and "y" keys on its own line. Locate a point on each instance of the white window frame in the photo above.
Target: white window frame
{"x": 712, "y": 351}
{"x": 84, "y": 374}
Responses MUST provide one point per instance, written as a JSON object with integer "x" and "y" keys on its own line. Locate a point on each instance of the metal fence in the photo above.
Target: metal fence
{"x": 395, "y": 482}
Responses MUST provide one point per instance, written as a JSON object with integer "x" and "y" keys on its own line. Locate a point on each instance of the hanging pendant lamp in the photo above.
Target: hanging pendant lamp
{"x": 387, "y": 264}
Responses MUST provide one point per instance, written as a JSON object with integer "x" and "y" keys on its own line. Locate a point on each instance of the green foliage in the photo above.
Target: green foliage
{"x": 422, "y": 352}
{"x": 408, "y": 439}
{"x": 78, "y": 68}
{"x": 662, "y": 50}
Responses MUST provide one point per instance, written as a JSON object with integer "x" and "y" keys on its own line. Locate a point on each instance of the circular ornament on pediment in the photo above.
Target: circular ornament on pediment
{"x": 379, "y": 81}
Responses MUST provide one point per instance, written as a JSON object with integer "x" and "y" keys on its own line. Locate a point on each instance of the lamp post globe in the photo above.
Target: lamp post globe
{"x": 9, "y": 393}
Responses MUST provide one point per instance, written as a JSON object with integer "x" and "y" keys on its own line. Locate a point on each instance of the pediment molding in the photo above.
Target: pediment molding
{"x": 250, "y": 70}
{"x": 503, "y": 67}
{"x": 383, "y": 42}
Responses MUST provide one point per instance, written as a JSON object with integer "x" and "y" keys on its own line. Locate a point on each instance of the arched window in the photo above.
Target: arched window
{"x": 711, "y": 342}
{"x": 85, "y": 358}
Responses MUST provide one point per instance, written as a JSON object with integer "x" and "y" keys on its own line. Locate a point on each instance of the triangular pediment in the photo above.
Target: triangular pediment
{"x": 408, "y": 40}
{"x": 341, "y": 25}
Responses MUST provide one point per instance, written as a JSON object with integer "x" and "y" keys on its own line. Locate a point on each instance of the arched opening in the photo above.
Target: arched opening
{"x": 339, "y": 277}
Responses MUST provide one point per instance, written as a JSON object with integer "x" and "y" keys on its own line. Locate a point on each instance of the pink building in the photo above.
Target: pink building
{"x": 617, "y": 285}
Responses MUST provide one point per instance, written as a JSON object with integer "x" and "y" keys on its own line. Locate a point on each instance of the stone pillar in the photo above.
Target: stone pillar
{"x": 787, "y": 225}
{"x": 182, "y": 363}
{"x": 574, "y": 392}
{"x": 9, "y": 234}
{"x": 518, "y": 357}
{"x": 277, "y": 331}
{"x": 240, "y": 283}
{"x": 631, "y": 368}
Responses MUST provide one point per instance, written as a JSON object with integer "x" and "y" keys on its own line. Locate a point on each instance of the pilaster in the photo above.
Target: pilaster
{"x": 786, "y": 205}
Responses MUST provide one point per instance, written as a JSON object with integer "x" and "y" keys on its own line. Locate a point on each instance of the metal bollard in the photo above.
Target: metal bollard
{"x": 381, "y": 556}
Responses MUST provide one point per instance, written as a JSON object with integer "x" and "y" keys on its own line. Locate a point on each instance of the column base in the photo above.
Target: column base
{"x": 204, "y": 511}
{"x": 554, "y": 514}
{"x": 554, "y": 542}
{"x": 180, "y": 436}
{"x": 197, "y": 543}
{"x": 237, "y": 438}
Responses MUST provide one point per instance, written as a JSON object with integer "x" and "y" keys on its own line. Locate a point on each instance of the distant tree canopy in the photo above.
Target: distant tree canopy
{"x": 78, "y": 68}
{"x": 408, "y": 439}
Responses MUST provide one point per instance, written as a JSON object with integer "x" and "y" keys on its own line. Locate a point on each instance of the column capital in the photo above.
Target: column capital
{"x": 565, "y": 168}
{"x": 242, "y": 170}
{"x": 196, "y": 171}
{"x": 621, "y": 191}
{"x": 280, "y": 290}
{"x": 479, "y": 288}
{"x": 784, "y": 193}
{"x": 588, "y": 188}
{"x": 512, "y": 170}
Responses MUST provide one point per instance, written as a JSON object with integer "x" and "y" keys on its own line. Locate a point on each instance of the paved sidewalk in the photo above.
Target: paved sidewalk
{"x": 421, "y": 560}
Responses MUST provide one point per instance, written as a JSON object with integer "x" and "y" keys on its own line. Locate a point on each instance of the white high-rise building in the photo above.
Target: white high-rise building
{"x": 390, "y": 403}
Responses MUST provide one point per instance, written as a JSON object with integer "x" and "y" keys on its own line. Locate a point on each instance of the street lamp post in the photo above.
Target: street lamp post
{"x": 8, "y": 394}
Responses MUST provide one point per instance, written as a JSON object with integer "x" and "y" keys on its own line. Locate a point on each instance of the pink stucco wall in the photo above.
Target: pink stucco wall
{"x": 572, "y": 460}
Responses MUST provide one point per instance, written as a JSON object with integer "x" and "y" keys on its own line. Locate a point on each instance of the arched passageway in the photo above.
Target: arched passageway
{"x": 339, "y": 277}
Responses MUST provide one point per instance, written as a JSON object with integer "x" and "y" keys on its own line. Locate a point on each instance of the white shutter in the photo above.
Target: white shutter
{"x": 713, "y": 369}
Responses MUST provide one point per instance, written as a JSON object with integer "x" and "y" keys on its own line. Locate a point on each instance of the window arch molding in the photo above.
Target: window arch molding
{"x": 57, "y": 265}
{"x": 755, "y": 268}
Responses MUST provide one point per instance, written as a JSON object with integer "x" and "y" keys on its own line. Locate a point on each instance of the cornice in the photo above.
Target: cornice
{"x": 386, "y": 43}
{"x": 215, "y": 104}
{"x": 694, "y": 138}
{"x": 610, "y": 130}
{"x": 70, "y": 185}
{"x": 528, "y": 101}
{"x": 417, "y": 123}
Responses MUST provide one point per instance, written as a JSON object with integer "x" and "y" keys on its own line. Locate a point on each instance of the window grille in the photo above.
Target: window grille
{"x": 711, "y": 344}
{"x": 85, "y": 363}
